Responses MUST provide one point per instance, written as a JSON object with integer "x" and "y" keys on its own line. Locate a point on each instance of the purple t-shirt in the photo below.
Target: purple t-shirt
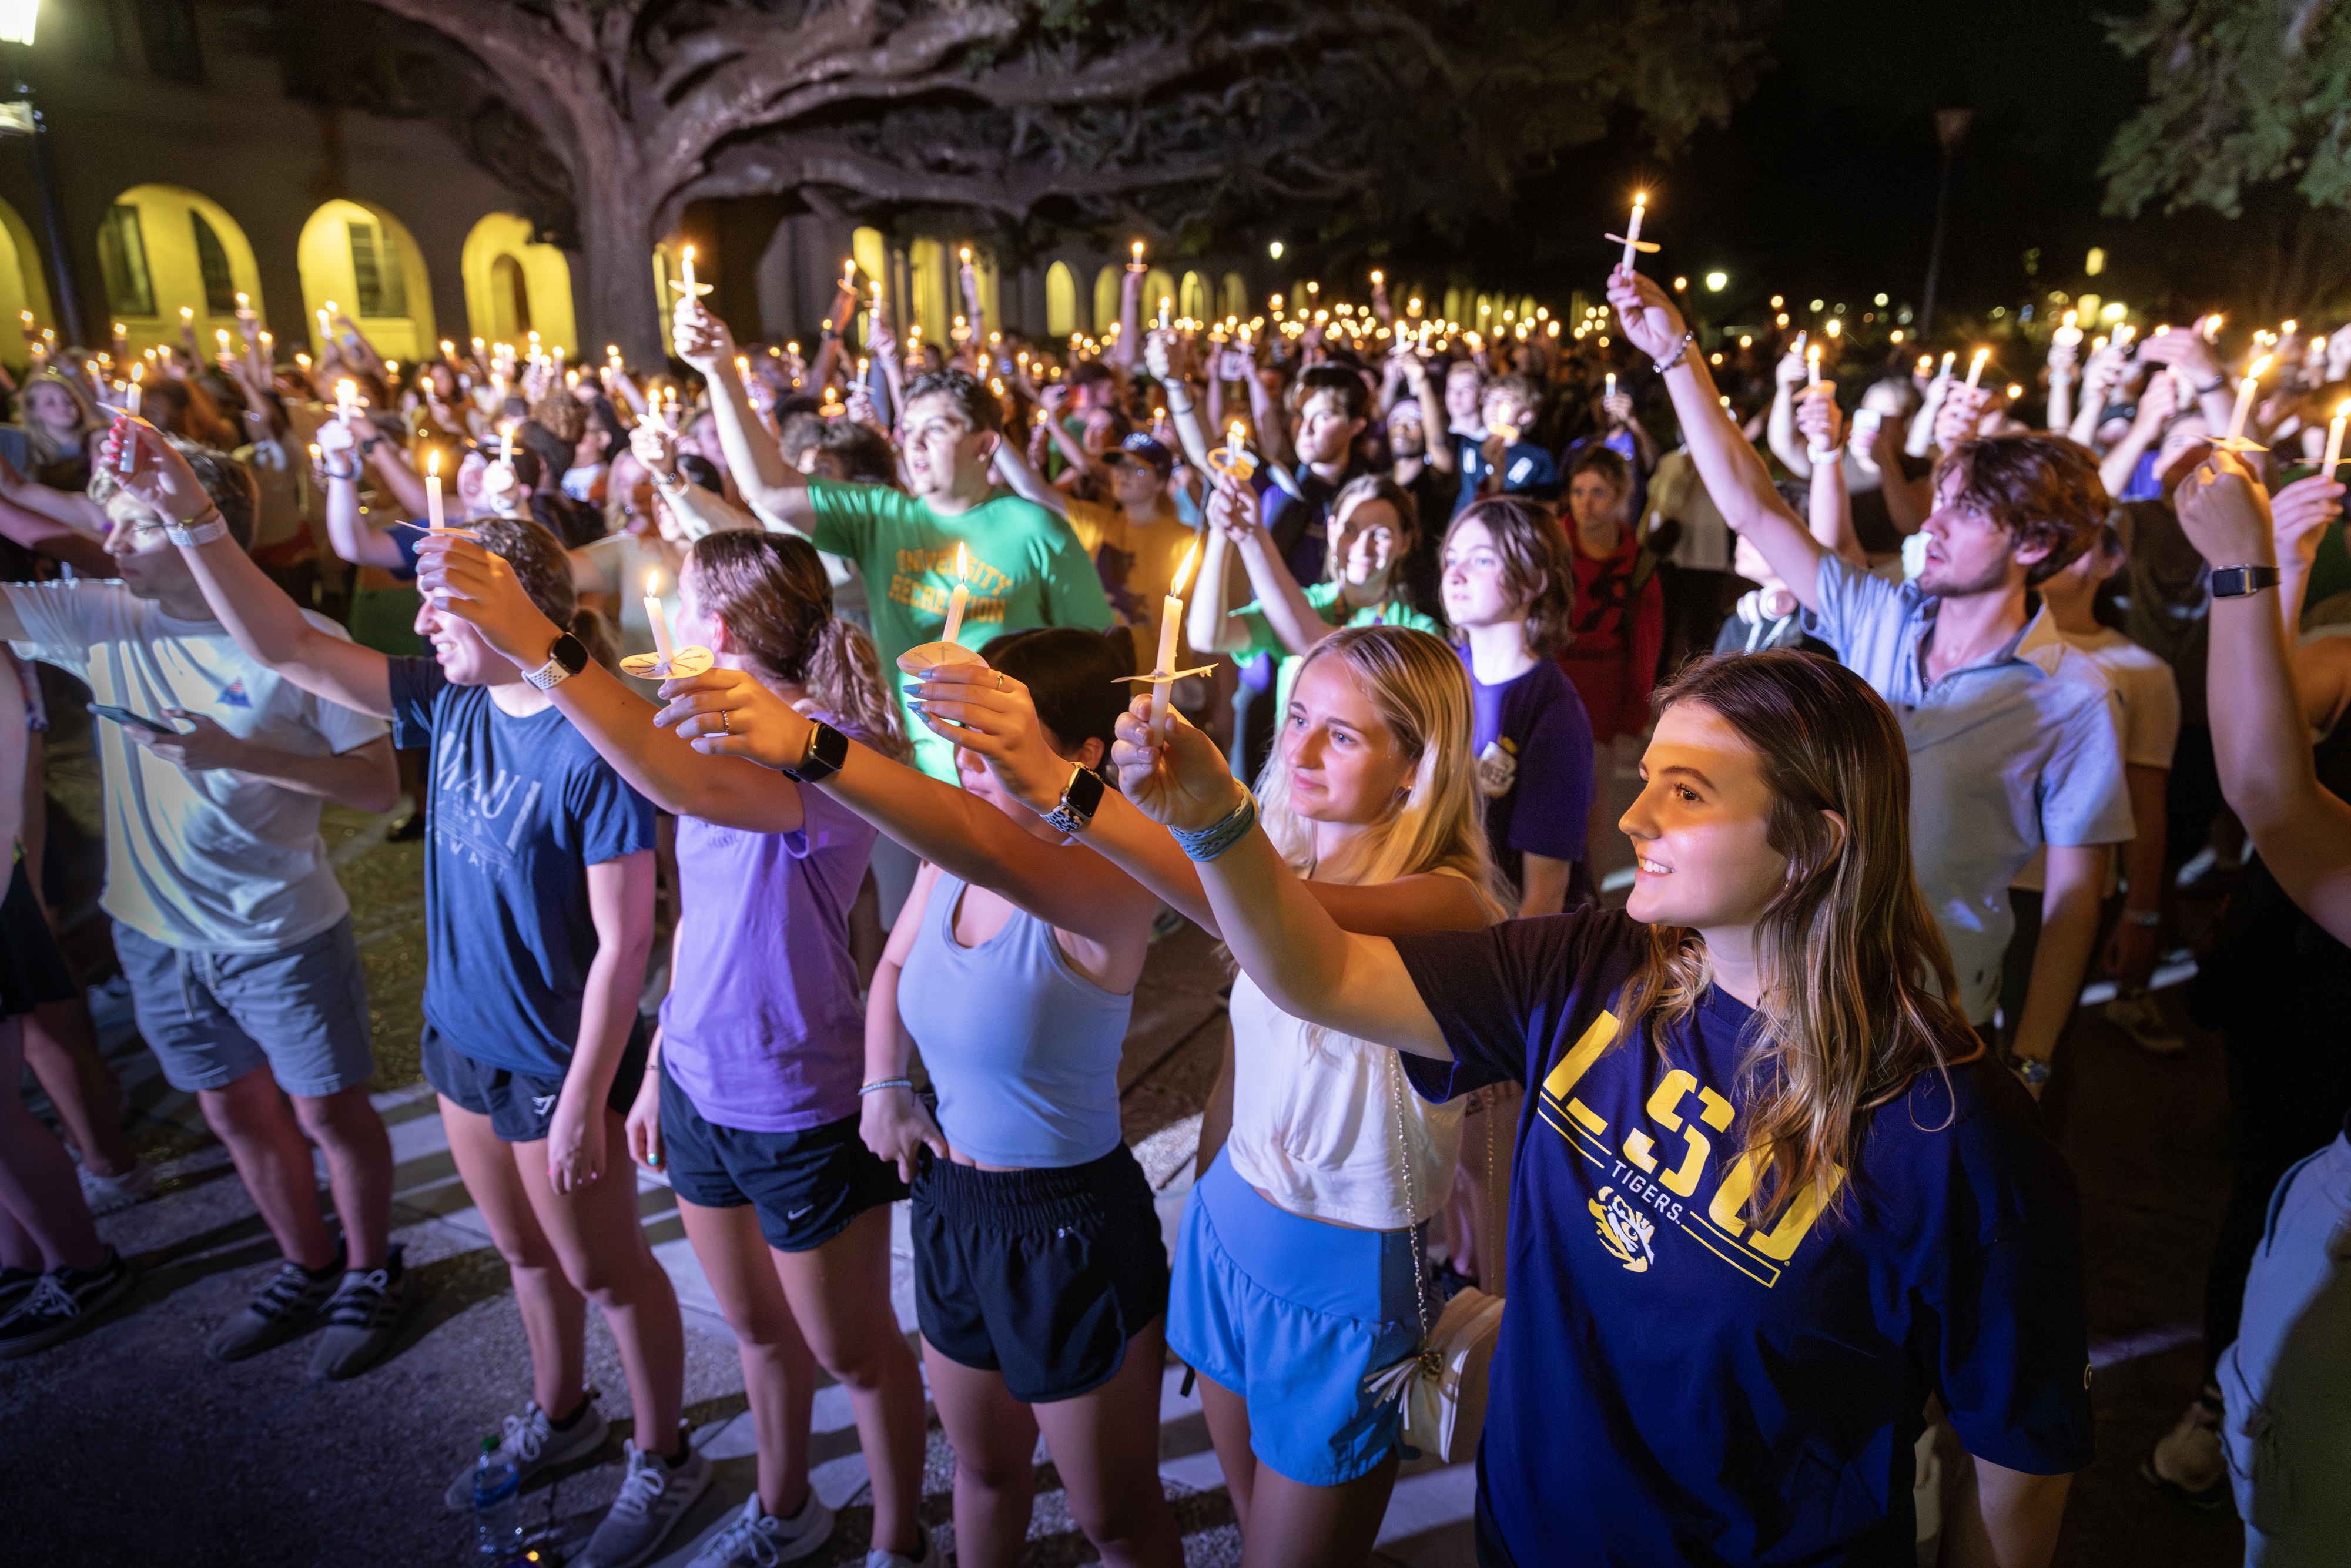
{"x": 762, "y": 1027}
{"x": 1532, "y": 741}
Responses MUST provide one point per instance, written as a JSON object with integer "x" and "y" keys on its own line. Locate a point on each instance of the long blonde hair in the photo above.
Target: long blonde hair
{"x": 1422, "y": 694}
{"x": 1855, "y": 970}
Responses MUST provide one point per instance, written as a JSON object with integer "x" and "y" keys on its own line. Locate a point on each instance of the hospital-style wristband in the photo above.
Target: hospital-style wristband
{"x": 1206, "y": 844}
{"x": 880, "y": 1084}
{"x": 196, "y": 530}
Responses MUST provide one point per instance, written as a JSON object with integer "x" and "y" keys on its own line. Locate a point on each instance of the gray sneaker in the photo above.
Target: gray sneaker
{"x": 286, "y": 1306}
{"x": 531, "y": 1441}
{"x": 362, "y": 1319}
{"x": 931, "y": 1557}
{"x": 754, "y": 1538}
{"x": 654, "y": 1497}
{"x": 110, "y": 1194}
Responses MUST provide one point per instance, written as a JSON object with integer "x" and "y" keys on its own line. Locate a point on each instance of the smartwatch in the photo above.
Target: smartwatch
{"x": 826, "y": 752}
{"x": 566, "y": 659}
{"x": 1080, "y": 798}
{"x": 2238, "y": 581}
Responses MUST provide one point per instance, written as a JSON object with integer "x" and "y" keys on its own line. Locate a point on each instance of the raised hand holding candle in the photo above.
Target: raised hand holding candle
{"x": 1975, "y": 369}
{"x": 1171, "y": 625}
{"x": 347, "y": 399}
{"x": 1944, "y": 371}
{"x": 432, "y": 517}
{"x": 2245, "y": 390}
{"x": 959, "y": 598}
{"x": 1137, "y": 265}
{"x": 1633, "y": 232}
{"x": 1812, "y": 366}
{"x": 1165, "y": 304}
{"x": 130, "y": 394}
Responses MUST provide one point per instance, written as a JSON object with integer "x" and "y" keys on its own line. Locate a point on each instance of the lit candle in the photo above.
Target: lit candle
{"x": 660, "y": 621}
{"x": 690, "y": 289}
{"x": 1812, "y": 366}
{"x": 347, "y": 399}
{"x": 133, "y": 394}
{"x": 1137, "y": 265}
{"x": 187, "y": 316}
{"x": 959, "y": 599}
{"x": 1171, "y": 624}
{"x": 220, "y": 336}
{"x": 1633, "y": 233}
{"x": 1975, "y": 369}
{"x": 1926, "y": 364}
{"x": 433, "y": 490}
{"x": 129, "y": 459}
{"x": 2245, "y": 390}
{"x": 1164, "y": 303}
{"x": 505, "y": 444}
{"x": 1612, "y": 385}
{"x": 1946, "y": 370}
{"x": 2334, "y": 439}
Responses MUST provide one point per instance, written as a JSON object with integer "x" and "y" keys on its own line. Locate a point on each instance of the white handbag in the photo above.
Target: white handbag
{"x": 1442, "y": 1384}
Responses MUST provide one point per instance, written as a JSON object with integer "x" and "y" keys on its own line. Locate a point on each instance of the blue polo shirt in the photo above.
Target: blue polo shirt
{"x": 2018, "y": 750}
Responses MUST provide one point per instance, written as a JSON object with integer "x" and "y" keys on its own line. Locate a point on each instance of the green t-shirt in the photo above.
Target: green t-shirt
{"x": 1322, "y": 596}
{"x": 1026, "y": 569}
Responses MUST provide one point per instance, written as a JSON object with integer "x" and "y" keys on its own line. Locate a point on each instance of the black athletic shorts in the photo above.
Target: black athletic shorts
{"x": 521, "y": 1105}
{"x": 806, "y": 1186}
{"x": 1041, "y": 1275}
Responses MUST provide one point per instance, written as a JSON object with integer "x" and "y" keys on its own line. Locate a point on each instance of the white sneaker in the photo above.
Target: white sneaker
{"x": 109, "y": 1195}
{"x": 931, "y": 1557}
{"x": 757, "y": 1540}
{"x": 654, "y": 1497}
{"x": 534, "y": 1445}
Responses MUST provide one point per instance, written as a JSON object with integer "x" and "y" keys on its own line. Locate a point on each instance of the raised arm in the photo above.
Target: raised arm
{"x": 1012, "y": 467}
{"x": 2258, "y": 734}
{"x": 255, "y": 611}
{"x": 1233, "y": 523}
{"x": 1436, "y": 424}
{"x": 1786, "y": 446}
{"x": 348, "y": 530}
{"x": 1734, "y": 477}
{"x": 1821, "y": 425}
{"x": 1159, "y": 355}
{"x": 728, "y": 712}
{"x": 393, "y": 472}
{"x": 2155, "y": 406}
{"x": 482, "y": 591}
{"x": 752, "y": 453}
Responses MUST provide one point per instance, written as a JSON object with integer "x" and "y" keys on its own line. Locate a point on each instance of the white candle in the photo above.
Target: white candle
{"x": 1164, "y": 303}
{"x": 133, "y": 394}
{"x": 2334, "y": 439}
{"x": 1633, "y": 233}
{"x": 959, "y": 598}
{"x": 1946, "y": 370}
{"x": 688, "y": 263}
{"x": 1975, "y": 370}
{"x": 433, "y": 490}
{"x": 1171, "y": 624}
{"x": 1812, "y": 365}
{"x": 2245, "y": 390}
{"x": 347, "y": 399}
{"x": 1612, "y": 385}
{"x": 660, "y": 621}
{"x": 505, "y": 444}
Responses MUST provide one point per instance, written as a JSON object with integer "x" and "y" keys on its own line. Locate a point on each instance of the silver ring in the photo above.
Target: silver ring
{"x": 725, "y": 722}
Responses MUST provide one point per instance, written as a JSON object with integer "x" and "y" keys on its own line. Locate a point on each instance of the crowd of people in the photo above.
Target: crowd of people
{"x": 1933, "y": 705}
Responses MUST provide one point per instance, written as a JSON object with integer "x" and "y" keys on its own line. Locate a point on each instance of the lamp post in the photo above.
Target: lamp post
{"x": 20, "y": 117}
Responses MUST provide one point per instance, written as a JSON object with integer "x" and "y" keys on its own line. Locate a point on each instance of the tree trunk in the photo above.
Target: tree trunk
{"x": 616, "y": 207}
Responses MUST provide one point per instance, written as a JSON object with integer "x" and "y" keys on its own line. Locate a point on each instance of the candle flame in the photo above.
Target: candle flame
{"x": 688, "y": 253}
{"x": 2258, "y": 369}
{"x": 432, "y": 464}
{"x": 1237, "y": 435}
{"x": 1983, "y": 355}
{"x": 1138, "y": 250}
{"x": 963, "y": 565}
{"x": 1183, "y": 572}
{"x": 1640, "y": 198}
{"x": 653, "y": 583}
{"x": 2343, "y": 409}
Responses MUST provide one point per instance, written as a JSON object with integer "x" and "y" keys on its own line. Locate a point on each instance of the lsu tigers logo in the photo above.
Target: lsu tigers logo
{"x": 1625, "y": 1230}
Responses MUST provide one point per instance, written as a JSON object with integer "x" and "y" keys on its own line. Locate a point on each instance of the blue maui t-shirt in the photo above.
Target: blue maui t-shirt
{"x": 1532, "y": 741}
{"x": 518, "y": 810}
{"x": 1675, "y": 1384}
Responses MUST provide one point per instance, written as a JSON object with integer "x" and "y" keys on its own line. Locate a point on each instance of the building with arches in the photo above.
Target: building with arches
{"x": 515, "y": 286}
{"x": 363, "y": 260}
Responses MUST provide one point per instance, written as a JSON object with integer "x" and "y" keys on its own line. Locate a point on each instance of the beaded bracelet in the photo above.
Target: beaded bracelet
{"x": 881, "y": 1083}
{"x": 196, "y": 530}
{"x": 1206, "y": 844}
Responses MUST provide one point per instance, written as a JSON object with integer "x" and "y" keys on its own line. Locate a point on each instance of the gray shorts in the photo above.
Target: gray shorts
{"x": 212, "y": 1017}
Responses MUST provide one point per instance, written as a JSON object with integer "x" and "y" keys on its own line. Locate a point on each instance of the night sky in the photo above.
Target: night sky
{"x": 1823, "y": 182}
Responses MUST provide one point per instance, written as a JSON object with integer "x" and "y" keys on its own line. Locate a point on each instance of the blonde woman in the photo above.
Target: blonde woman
{"x": 1295, "y": 1274}
{"x": 1770, "y": 1197}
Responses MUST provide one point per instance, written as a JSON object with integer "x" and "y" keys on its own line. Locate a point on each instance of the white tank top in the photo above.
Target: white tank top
{"x": 1314, "y": 1122}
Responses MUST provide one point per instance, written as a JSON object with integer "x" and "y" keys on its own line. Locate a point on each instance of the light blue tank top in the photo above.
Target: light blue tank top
{"x": 1023, "y": 1048}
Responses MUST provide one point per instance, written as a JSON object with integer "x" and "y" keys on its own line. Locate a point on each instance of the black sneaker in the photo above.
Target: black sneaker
{"x": 362, "y": 1319}
{"x": 288, "y": 1305}
{"x": 61, "y": 1303}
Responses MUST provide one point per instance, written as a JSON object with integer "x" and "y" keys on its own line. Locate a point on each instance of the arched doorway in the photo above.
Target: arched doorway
{"x": 1192, "y": 298}
{"x": 530, "y": 292}
{"x": 164, "y": 249}
{"x": 1061, "y": 301}
{"x": 1107, "y": 285}
{"x": 363, "y": 259}
{"x": 1235, "y": 301}
{"x": 22, "y": 286}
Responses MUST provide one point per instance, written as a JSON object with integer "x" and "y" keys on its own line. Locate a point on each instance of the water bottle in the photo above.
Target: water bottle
{"x": 497, "y": 1505}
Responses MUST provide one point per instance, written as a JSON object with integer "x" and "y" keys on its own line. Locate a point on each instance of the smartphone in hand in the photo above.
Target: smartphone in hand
{"x": 123, "y": 715}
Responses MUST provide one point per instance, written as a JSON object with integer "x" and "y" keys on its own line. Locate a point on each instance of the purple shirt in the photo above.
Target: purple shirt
{"x": 1532, "y": 741}
{"x": 762, "y": 1027}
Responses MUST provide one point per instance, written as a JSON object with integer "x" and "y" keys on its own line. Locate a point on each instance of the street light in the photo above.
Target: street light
{"x": 1716, "y": 282}
{"x": 19, "y": 117}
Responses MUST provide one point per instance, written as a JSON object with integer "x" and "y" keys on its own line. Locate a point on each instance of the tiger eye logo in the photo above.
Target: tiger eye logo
{"x": 1625, "y": 1230}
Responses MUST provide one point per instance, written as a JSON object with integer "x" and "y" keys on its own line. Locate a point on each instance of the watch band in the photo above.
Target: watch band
{"x": 565, "y": 658}
{"x": 2029, "y": 1069}
{"x": 826, "y": 751}
{"x": 2238, "y": 581}
{"x": 1080, "y": 798}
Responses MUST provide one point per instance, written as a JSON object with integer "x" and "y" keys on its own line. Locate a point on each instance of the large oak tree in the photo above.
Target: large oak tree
{"x": 1176, "y": 116}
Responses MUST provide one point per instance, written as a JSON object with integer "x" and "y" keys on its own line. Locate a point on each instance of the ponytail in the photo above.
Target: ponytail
{"x": 844, "y": 678}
